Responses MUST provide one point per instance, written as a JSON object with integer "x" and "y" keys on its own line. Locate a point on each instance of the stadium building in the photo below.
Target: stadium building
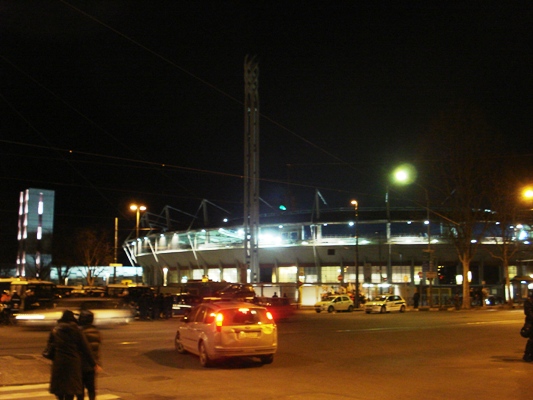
{"x": 305, "y": 254}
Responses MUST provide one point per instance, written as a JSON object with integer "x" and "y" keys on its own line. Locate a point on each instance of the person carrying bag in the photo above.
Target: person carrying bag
{"x": 70, "y": 350}
{"x": 94, "y": 338}
{"x": 49, "y": 351}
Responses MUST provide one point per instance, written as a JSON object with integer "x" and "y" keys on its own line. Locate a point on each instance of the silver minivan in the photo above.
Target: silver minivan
{"x": 219, "y": 330}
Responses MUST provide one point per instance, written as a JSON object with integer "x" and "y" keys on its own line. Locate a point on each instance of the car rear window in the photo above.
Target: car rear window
{"x": 245, "y": 316}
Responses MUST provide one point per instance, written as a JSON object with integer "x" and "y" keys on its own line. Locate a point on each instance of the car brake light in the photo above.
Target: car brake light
{"x": 219, "y": 319}
{"x": 269, "y": 316}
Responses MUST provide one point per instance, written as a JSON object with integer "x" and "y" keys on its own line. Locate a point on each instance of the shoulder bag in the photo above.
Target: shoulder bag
{"x": 50, "y": 349}
{"x": 525, "y": 332}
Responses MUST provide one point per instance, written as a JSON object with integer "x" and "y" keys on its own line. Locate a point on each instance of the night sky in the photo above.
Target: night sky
{"x": 109, "y": 102}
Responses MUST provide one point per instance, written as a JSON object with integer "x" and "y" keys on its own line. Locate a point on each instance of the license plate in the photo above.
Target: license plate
{"x": 248, "y": 335}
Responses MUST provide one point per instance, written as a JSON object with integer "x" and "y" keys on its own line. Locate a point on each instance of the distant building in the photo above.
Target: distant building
{"x": 35, "y": 232}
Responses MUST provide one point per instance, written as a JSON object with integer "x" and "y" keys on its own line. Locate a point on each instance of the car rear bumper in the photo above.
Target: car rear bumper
{"x": 221, "y": 352}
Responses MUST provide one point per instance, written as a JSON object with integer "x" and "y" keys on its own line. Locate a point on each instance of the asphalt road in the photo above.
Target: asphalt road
{"x": 415, "y": 355}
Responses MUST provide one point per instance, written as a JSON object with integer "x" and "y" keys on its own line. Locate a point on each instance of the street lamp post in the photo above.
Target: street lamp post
{"x": 389, "y": 244}
{"x": 430, "y": 261}
{"x": 356, "y": 208}
{"x": 137, "y": 209}
{"x": 406, "y": 174}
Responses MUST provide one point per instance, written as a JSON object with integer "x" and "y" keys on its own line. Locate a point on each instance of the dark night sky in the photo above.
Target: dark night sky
{"x": 346, "y": 90}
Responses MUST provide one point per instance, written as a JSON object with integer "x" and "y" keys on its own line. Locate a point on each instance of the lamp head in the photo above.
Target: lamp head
{"x": 405, "y": 174}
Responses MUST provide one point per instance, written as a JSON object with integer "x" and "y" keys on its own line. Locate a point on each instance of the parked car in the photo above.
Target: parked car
{"x": 219, "y": 330}
{"x": 183, "y": 303}
{"x": 335, "y": 303}
{"x": 106, "y": 312}
{"x": 234, "y": 291}
{"x": 385, "y": 303}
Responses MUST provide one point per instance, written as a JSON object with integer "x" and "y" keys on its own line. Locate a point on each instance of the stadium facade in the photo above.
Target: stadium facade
{"x": 303, "y": 256}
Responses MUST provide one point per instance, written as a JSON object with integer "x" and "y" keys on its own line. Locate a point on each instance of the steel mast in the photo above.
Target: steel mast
{"x": 251, "y": 170}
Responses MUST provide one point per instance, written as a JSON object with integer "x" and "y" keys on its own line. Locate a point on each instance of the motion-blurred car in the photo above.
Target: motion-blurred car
{"x": 492, "y": 300}
{"x": 335, "y": 303}
{"x": 280, "y": 307}
{"x": 106, "y": 312}
{"x": 219, "y": 330}
{"x": 386, "y": 303}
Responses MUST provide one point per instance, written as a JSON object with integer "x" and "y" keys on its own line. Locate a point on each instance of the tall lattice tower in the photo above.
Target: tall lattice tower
{"x": 251, "y": 170}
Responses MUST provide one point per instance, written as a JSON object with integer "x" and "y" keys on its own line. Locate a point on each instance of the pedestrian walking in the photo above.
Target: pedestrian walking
{"x": 528, "y": 311}
{"x": 5, "y": 308}
{"x": 168, "y": 304}
{"x": 6, "y": 297}
{"x": 157, "y": 305}
{"x": 16, "y": 301}
{"x": 416, "y": 299}
{"x": 70, "y": 349}
{"x": 94, "y": 338}
{"x": 144, "y": 306}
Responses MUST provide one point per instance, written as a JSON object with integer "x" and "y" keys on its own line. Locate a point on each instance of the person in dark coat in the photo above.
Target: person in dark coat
{"x": 416, "y": 299}
{"x": 71, "y": 348}
{"x": 94, "y": 338}
{"x": 144, "y": 305}
{"x": 157, "y": 305}
{"x": 168, "y": 303}
{"x": 528, "y": 311}
{"x": 16, "y": 301}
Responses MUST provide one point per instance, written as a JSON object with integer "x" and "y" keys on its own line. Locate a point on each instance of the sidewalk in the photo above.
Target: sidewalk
{"x": 24, "y": 368}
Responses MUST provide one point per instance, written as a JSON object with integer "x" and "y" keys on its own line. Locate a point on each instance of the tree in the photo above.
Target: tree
{"x": 36, "y": 268}
{"x": 63, "y": 253}
{"x": 508, "y": 210}
{"x": 94, "y": 249}
{"x": 458, "y": 151}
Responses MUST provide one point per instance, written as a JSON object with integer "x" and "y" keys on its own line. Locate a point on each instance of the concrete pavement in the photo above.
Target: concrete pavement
{"x": 23, "y": 369}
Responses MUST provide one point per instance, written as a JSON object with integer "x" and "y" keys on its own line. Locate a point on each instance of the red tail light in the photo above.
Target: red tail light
{"x": 219, "y": 319}
{"x": 269, "y": 316}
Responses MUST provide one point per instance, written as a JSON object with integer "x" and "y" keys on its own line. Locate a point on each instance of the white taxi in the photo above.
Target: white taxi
{"x": 335, "y": 303}
{"x": 386, "y": 303}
